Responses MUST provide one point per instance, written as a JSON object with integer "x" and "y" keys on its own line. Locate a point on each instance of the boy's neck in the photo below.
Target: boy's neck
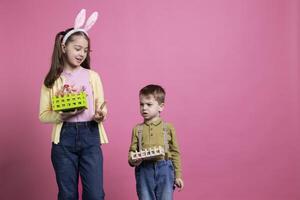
{"x": 152, "y": 120}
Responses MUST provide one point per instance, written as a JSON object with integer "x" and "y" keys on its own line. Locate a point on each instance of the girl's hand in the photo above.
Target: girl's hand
{"x": 99, "y": 114}
{"x": 66, "y": 115}
{"x": 179, "y": 183}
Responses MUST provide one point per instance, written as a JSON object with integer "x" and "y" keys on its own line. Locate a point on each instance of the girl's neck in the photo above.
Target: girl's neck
{"x": 68, "y": 68}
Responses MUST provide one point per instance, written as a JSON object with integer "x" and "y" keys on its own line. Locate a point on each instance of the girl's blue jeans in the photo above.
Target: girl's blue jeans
{"x": 155, "y": 180}
{"x": 78, "y": 154}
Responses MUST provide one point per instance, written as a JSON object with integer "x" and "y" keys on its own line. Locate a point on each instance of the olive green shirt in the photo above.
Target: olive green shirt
{"x": 153, "y": 136}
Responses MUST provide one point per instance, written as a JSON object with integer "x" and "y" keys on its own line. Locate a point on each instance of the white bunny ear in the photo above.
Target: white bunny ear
{"x": 91, "y": 21}
{"x": 80, "y": 18}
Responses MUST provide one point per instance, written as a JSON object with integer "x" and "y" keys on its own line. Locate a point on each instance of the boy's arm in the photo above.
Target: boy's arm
{"x": 175, "y": 153}
{"x": 46, "y": 114}
{"x": 132, "y": 148}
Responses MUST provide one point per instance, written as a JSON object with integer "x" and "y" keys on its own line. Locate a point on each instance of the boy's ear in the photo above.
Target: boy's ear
{"x": 162, "y": 105}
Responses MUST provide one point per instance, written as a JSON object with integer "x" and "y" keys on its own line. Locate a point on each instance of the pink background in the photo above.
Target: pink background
{"x": 230, "y": 69}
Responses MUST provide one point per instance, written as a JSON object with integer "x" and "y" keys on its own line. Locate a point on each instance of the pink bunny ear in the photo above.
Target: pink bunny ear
{"x": 91, "y": 21}
{"x": 80, "y": 18}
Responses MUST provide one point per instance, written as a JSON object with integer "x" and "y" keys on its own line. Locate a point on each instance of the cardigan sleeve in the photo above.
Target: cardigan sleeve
{"x": 46, "y": 114}
{"x": 99, "y": 94}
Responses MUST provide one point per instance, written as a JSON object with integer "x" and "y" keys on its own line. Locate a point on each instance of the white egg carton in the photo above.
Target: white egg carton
{"x": 148, "y": 153}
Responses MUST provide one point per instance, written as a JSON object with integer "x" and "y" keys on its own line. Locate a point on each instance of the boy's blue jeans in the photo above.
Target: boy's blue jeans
{"x": 155, "y": 180}
{"x": 78, "y": 153}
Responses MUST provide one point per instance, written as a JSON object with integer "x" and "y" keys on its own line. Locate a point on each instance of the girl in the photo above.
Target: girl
{"x": 76, "y": 149}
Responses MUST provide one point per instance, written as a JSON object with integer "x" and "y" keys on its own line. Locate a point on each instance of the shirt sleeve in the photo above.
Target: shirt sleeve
{"x": 175, "y": 153}
{"x": 46, "y": 114}
{"x": 133, "y": 146}
{"x": 99, "y": 97}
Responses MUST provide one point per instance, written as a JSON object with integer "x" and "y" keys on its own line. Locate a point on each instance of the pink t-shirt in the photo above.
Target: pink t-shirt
{"x": 79, "y": 78}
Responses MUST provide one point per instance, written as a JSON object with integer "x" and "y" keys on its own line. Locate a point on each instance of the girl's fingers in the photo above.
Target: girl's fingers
{"x": 80, "y": 110}
{"x": 71, "y": 113}
{"x": 98, "y": 117}
{"x": 102, "y": 105}
{"x": 100, "y": 112}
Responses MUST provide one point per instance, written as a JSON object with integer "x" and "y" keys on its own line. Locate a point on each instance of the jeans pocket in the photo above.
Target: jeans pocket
{"x": 64, "y": 132}
{"x": 137, "y": 172}
{"x": 93, "y": 132}
{"x": 170, "y": 164}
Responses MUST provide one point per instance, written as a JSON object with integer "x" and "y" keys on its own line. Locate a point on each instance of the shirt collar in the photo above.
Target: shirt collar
{"x": 157, "y": 122}
{"x": 71, "y": 73}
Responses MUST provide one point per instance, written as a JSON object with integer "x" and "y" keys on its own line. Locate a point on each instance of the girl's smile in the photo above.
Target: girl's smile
{"x": 76, "y": 51}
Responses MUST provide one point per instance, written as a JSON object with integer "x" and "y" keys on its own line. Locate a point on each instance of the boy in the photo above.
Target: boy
{"x": 155, "y": 176}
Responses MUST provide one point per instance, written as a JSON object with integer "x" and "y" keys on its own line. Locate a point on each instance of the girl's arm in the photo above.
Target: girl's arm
{"x": 99, "y": 95}
{"x": 46, "y": 114}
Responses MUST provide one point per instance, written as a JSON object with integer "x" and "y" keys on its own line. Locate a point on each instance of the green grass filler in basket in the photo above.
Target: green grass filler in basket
{"x": 69, "y": 100}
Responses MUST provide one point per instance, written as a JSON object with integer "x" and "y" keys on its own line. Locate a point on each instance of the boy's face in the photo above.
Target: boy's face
{"x": 149, "y": 108}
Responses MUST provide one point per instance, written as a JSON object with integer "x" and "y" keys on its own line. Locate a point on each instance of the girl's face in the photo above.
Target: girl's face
{"x": 76, "y": 50}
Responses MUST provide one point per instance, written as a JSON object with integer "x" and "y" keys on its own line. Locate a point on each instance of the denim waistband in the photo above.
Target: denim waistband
{"x": 76, "y": 124}
{"x": 156, "y": 162}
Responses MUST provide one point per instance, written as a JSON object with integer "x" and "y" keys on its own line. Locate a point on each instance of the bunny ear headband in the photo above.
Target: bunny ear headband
{"x": 79, "y": 22}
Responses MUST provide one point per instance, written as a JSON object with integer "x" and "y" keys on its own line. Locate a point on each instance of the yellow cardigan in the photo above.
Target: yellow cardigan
{"x": 47, "y": 115}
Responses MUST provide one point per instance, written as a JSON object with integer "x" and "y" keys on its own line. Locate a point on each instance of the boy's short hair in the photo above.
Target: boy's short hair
{"x": 156, "y": 90}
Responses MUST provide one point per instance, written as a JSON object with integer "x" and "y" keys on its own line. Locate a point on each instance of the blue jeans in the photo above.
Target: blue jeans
{"x": 155, "y": 180}
{"x": 78, "y": 153}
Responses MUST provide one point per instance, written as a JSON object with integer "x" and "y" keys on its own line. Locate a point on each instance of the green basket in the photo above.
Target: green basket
{"x": 69, "y": 102}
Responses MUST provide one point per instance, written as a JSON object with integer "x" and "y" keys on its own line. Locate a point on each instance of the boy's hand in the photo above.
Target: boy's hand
{"x": 66, "y": 115}
{"x": 179, "y": 183}
{"x": 136, "y": 162}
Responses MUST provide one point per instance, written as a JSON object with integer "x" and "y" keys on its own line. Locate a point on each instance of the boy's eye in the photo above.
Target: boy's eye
{"x": 147, "y": 104}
